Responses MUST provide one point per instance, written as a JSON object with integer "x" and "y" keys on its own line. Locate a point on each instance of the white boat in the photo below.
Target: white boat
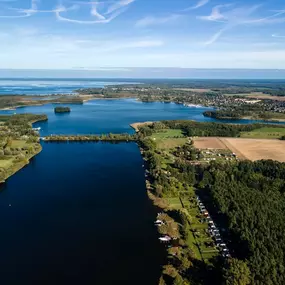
{"x": 165, "y": 238}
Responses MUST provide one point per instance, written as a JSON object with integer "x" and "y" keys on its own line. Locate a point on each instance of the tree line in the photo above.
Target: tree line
{"x": 203, "y": 129}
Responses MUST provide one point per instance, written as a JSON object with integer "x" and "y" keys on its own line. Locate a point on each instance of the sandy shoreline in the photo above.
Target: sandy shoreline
{"x": 136, "y": 126}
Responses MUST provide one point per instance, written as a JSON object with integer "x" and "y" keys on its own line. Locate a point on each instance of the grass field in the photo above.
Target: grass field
{"x": 265, "y": 133}
{"x": 169, "y": 139}
{"x": 275, "y": 116}
{"x": 174, "y": 203}
{"x": 6, "y": 163}
{"x": 18, "y": 143}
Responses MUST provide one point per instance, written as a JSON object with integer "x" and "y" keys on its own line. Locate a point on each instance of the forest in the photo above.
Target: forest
{"x": 92, "y": 138}
{"x": 246, "y": 200}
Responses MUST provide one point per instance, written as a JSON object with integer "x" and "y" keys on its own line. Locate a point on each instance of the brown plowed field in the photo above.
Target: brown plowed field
{"x": 252, "y": 149}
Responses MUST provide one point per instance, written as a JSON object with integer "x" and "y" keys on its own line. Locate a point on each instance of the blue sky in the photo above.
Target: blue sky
{"x": 117, "y": 34}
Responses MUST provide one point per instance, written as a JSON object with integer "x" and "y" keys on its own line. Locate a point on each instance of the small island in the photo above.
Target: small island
{"x": 62, "y": 110}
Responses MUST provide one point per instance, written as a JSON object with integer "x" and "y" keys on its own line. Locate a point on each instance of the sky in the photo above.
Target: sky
{"x": 116, "y": 35}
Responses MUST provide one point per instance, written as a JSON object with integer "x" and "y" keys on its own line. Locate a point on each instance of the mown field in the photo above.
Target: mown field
{"x": 169, "y": 139}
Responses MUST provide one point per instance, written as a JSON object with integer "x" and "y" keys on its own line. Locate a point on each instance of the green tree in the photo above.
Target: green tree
{"x": 237, "y": 273}
{"x": 161, "y": 281}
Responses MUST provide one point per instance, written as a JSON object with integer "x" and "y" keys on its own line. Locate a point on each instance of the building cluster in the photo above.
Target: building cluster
{"x": 212, "y": 155}
{"x": 274, "y": 106}
{"x": 213, "y": 230}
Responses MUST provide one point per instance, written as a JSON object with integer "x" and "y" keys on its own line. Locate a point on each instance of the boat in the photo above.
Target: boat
{"x": 165, "y": 238}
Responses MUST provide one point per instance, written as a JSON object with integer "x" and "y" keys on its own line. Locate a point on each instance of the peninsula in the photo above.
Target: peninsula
{"x": 19, "y": 142}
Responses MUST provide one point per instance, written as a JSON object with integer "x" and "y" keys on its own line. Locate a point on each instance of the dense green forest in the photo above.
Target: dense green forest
{"x": 249, "y": 198}
{"x": 223, "y": 114}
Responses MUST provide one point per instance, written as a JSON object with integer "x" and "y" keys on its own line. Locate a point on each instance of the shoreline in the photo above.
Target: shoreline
{"x": 264, "y": 120}
{"x": 21, "y": 165}
{"x": 83, "y": 97}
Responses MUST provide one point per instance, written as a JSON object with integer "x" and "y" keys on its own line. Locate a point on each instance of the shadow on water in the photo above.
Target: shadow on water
{"x": 79, "y": 214}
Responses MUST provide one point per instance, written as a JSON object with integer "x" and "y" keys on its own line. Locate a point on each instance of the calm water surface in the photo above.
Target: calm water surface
{"x": 104, "y": 116}
{"x": 79, "y": 214}
{"x": 112, "y": 116}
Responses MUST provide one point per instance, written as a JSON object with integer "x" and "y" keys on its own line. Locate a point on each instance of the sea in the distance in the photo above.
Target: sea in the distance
{"x": 36, "y": 86}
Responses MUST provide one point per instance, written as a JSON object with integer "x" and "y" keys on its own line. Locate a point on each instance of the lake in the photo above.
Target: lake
{"x": 112, "y": 116}
{"x": 79, "y": 214}
{"x": 105, "y": 116}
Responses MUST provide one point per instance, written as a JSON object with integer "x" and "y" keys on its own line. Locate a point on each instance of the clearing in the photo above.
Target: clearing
{"x": 169, "y": 139}
{"x": 18, "y": 143}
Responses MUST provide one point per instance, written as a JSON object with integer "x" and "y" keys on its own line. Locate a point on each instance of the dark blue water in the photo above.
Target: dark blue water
{"x": 51, "y": 86}
{"x": 79, "y": 214}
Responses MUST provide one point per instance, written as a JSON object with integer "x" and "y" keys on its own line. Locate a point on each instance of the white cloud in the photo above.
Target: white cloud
{"x": 199, "y": 4}
{"x": 236, "y": 17}
{"x": 118, "y": 5}
{"x": 113, "y": 11}
{"x": 101, "y": 17}
{"x": 278, "y": 36}
{"x": 215, "y": 15}
{"x": 150, "y": 20}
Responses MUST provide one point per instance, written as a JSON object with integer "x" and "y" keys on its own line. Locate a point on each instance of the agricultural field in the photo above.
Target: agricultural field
{"x": 257, "y": 149}
{"x": 209, "y": 143}
{"x": 197, "y": 90}
{"x": 265, "y": 133}
{"x": 246, "y": 148}
{"x": 266, "y": 97}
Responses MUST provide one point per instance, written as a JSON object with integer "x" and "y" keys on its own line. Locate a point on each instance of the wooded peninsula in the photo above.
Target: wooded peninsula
{"x": 19, "y": 142}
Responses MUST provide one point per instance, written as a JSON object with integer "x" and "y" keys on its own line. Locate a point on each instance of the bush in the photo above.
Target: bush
{"x": 7, "y": 151}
